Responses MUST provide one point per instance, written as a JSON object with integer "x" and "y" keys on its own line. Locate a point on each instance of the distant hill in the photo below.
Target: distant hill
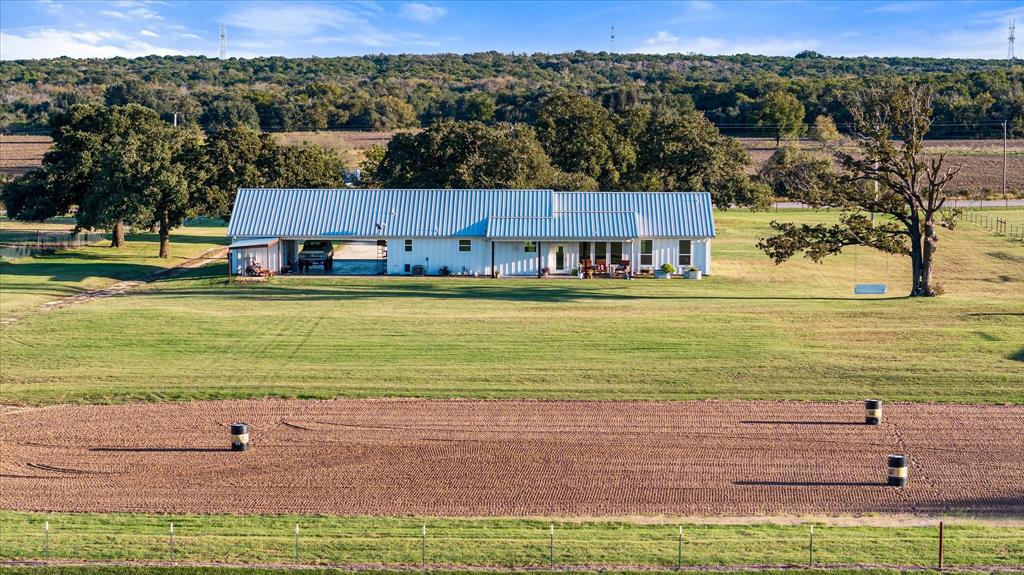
{"x": 386, "y": 92}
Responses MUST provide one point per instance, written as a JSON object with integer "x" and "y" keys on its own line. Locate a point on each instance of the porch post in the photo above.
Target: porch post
{"x": 539, "y": 270}
{"x": 494, "y": 272}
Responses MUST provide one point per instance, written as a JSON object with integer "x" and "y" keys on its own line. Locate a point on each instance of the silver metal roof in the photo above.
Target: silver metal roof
{"x": 362, "y": 213}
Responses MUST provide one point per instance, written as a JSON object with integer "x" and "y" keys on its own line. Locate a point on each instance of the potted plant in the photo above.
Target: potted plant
{"x": 577, "y": 272}
{"x": 692, "y": 273}
{"x": 666, "y": 271}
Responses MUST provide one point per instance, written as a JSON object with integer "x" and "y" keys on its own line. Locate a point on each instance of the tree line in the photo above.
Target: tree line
{"x": 113, "y": 167}
{"x": 971, "y": 98}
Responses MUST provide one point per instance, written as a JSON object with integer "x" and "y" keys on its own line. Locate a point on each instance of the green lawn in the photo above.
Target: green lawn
{"x": 161, "y": 570}
{"x": 29, "y": 282}
{"x": 752, "y": 331}
{"x": 496, "y": 542}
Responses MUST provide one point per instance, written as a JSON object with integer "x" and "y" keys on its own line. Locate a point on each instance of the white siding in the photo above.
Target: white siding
{"x": 512, "y": 259}
{"x": 667, "y": 250}
{"x": 433, "y": 253}
{"x": 267, "y": 256}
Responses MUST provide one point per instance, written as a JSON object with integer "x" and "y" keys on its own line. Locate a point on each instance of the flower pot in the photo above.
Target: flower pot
{"x": 658, "y": 274}
{"x": 694, "y": 275}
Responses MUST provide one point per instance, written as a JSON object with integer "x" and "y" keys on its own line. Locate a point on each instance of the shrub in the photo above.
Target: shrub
{"x": 668, "y": 268}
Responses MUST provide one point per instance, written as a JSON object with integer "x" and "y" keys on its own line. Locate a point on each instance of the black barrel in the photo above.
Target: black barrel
{"x": 873, "y": 412}
{"x": 239, "y": 436}
{"x": 897, "y": 470}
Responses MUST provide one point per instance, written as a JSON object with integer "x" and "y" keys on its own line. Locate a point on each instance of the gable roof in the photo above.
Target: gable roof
{"x": 370, "y": 213}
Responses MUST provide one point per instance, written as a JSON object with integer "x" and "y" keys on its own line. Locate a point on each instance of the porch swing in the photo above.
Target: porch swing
{"x": 869, "y": 288}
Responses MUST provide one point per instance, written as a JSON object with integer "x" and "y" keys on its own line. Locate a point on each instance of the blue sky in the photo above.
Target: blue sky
{"x": 50, "y": 28}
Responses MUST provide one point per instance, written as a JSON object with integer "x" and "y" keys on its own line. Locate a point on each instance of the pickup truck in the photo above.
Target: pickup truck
{"x": 316, "y": 253}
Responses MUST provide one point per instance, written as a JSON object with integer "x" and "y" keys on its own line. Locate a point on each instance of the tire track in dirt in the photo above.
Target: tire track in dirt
{"x": 515, "y": 458}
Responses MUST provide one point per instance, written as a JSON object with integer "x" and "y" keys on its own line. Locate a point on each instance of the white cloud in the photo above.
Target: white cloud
{"x": 702, "y": 6}
{"x": 53, "y": 43}
{"x": 149, "y": 34}
{"x": 296, "y": 19}
{"x": 420, "y": 12}
{"x": 904, "y": 7}
{"x": 115, "y": 14}
{"x": 664, "y": 42}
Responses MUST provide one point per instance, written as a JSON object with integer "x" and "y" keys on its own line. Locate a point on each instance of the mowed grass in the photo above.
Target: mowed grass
{"x": 28, "y": 282}
{"x": 753, "y": 330}
{"x": 207, "y": 570}
{"x": 492, "y": 542}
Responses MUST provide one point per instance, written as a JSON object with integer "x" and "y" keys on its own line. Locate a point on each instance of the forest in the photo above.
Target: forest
{"x": 386, "y": 92}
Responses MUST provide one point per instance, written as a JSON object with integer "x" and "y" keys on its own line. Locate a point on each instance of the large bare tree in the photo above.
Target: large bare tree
{"x": 886, "y": 173}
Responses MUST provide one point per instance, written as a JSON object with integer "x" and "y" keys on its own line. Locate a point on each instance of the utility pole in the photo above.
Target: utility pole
{"x": 223, "y": 43}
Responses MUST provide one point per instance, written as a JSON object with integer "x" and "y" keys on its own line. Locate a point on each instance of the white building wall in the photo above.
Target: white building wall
{"x": 433, "y": 253}
{"x": 511, "y": 259}
{"x": 266, "y": 256}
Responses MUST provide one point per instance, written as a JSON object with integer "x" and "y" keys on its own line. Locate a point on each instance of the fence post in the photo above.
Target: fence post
{"x": 941, "y": 544}
{"x": 679, "y": 551}
{"x": 171, "y": 541}
{"x": 296, "y": 542}
{"x": 423, "y": 547}
{"x": 46, "y": 541}
{"x": 551, "y": 545}
{"x": 810, "y": 549}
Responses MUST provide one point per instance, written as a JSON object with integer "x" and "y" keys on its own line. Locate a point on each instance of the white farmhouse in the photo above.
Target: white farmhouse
{"x": 479, "y": 232}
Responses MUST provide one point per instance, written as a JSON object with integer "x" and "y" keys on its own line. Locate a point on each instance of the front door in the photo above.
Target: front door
{"x": 559, "y": 258}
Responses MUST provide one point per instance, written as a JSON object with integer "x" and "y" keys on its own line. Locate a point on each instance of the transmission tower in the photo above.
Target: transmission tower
{"x": 1013, "y": 36}
{"x": 223, "y": 42}
{"x": 611, "y": 40}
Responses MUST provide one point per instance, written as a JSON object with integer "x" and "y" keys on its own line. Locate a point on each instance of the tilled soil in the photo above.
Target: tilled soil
{"x": 512, "y": 458}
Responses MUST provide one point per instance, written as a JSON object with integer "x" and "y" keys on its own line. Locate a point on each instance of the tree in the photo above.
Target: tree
{"x": 890, "y": 123}
{"x": 685, "y": 152}
{"x": 580, "y": 136}
{"x": 228, "y": 111}
{"x": 795, "y": 173}
{"x": 453, "y": 154}
{"x": 824, "y": 130}
{"x": 782, "y": 112}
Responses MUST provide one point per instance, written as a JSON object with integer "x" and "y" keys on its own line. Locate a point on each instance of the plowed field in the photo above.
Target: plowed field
{"x": 515, "y": 458}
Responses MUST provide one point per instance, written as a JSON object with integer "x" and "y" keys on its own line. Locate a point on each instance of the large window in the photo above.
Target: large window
{"x": 408, "y": 245}
{"x": 685, "y": 253}
{"x": 646, "y": 252}
{"x": 600, "y": 251}
{"x": 465, "y": 245}
{"x": 530, "y": 247}
{"x": 616, "y": 253}
{"x": 584, "y": 251}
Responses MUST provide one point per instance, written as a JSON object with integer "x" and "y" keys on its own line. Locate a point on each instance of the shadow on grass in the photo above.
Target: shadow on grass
{"x": 215, "y": 285}
{"x": 1019, "y": 356}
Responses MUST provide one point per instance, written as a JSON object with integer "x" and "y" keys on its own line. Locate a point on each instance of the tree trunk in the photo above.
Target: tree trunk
{"x": 930, "y": 243}
{"x": 165, "y": 236}
{"x": 117, "y": 235}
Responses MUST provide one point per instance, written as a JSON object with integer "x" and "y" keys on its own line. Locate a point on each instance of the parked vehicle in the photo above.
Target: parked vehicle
{"x": 316, "y": 253}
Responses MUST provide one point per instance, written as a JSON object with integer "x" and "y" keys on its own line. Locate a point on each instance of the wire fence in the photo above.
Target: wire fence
{"x": 995, "y": 223}
{"x": 20, "y": 243}
{"x": 528, "y": 545}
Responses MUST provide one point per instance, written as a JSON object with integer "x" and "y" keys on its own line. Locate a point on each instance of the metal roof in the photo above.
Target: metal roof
{"x": 565, "y": 225}
{"x": 363, "y": 213}
{"x": 257, "y": 242}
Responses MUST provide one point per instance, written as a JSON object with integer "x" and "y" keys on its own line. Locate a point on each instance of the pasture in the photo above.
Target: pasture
{"x": 751, "y": 331}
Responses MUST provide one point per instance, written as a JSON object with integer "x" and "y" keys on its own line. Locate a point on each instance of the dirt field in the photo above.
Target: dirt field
{"x": 512, "y": 458}
{"x": 19, "y": 154}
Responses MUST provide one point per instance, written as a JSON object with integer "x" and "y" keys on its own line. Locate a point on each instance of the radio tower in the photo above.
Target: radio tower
{"x": 223, "y": 43}
{"x": 1013, "y": 36}
{"x": 611, "y": 40}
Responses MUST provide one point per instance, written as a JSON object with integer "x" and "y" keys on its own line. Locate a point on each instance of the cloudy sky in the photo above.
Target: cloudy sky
{"x": 51, "y": 28}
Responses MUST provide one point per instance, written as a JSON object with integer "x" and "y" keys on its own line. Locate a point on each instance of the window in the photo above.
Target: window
{"x": 465, "y": 245}
{"x": 616, "y": 253}
{"x": 584, "y": 250}
{"x": 646, "y": 252}
{"x": 530, "y": 247}
{"x": 408, "y": 245}
{"x": 685, "y": 255}
{"x": 600, "y": 251}
{"x": 408, "y": 268}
